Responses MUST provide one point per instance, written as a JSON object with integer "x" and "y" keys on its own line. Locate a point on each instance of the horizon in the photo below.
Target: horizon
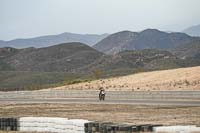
{"x": 90, "y": 34}
{"x": 53, "y": 35}
{"x": 34, "y": 18}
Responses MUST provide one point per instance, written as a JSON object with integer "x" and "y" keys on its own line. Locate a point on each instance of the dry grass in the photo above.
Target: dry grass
{"x": 175, "y": 79}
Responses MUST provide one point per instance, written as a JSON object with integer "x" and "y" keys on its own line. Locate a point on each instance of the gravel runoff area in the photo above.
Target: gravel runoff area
{"x": 129, "y": 114}
{"x": 133, "y": 114}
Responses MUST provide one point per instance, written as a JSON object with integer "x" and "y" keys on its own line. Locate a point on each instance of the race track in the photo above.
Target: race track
{"x": 183, "y": 98}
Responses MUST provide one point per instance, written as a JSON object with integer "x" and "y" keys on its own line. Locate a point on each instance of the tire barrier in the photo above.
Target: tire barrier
{"x": 99, "y": 127}
{"x": 64, "y": 125}
{"x": 177, "y": 129}
{"x": 107, "y": 127}
{"x": 9, "y": 124}
{"x": 48, "y": 124}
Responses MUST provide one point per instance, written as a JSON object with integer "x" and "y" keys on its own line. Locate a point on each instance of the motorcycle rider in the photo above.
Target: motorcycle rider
{"x": 102, "y": 92}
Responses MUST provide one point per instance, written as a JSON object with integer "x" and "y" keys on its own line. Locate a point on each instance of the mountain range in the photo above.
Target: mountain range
{"x": 117, "y": 51}
{"x": 193, "y": 31}
{"x": 80, "y": 58}
{"x": 45, "y": 41}
{"x": 118, "y": 54}
{"x": 147, "y": 39}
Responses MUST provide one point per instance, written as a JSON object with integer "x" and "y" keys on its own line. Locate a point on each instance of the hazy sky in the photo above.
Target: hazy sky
{"x": 30, "y": 18}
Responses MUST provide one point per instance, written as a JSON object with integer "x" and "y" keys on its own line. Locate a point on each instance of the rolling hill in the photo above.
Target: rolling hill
{"x": 147, "y": 39}
{"x": 140, "y": 60}
{"x": 188, "y": 50}
{"x": 37, "y": 68}
{"x": 45, "y": 41}
{"x": 63, "y": 57}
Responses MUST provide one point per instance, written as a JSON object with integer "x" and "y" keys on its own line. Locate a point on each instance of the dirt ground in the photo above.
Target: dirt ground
{"x": 175, "y": 79}
{"x": 134, "y": 114}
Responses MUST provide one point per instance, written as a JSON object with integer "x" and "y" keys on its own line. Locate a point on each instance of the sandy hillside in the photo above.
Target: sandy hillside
{"x": 175, "y": 79}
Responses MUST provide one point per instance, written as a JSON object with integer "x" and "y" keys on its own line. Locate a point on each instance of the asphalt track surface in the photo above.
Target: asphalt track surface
{"x": 181, "y": 98}
{"x": 95, "y": 101}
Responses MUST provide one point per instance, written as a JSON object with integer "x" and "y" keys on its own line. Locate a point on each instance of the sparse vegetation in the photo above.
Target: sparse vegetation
{"x": 97, "y": 74}
{"x": 174, "y": 79}
{"x": 13, "y": 80}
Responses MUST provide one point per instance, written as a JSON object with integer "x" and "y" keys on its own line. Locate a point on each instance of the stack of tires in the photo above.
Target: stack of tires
{"x": 9, "y": 124}
{"x": 78, "y": 125}
{"x": 49, "y": 124}
{"x": 177, "y": 129}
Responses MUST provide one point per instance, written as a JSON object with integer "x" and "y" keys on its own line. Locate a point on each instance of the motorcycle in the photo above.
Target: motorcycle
{"x": 102, "y": 95}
